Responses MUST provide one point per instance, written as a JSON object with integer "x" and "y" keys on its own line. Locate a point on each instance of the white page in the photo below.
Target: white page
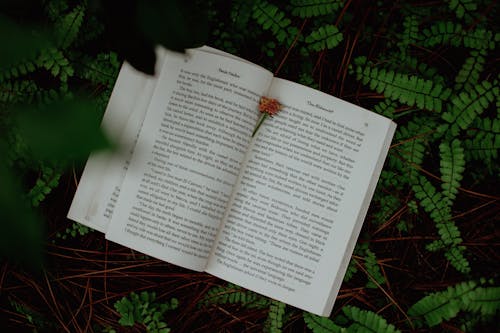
{"x": 187, "y": 157}
{"x": 101, "y": 180}
{"x": 301, "y": 198}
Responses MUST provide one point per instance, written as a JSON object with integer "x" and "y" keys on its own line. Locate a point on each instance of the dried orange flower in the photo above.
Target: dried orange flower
{"x": 270, "y": 106}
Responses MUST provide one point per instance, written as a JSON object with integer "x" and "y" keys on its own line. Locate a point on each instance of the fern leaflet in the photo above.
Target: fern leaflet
{"x": 274, "y": 320}
{"x": 452, "y": 167}
{"x": 270, "y": 17}
{"x": 468, "y": 76}
{"x": 465, "y": 296}
{"x": 469, "y": 104}
{"x": 310, "y": 8}
{"x": 320, "y": 324}
{"x": 326, "y": 37}
{"x": 68, "y": 26}
{"x": 453, "y": 34}
{"x": 485, "y": 141}
{"x": 460, "y": 7}
{"x": 408, "y": 89}
{"x": 367, "y": 321}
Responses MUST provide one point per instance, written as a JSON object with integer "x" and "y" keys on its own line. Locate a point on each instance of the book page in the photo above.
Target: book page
{"x": 301, "y": 198}
{"x": 101, "y": 180}
{"x": 187, "y": 157}
{"x": 103, "y": 174}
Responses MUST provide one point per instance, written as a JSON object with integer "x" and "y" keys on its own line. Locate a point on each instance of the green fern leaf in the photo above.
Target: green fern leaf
{"x": 241, "y": 13}
{"x": 320, "y": 324}
{"x": 231, "y": 294}
{"x": 310, "y": 8}
{"x": 326, "y": 37}
{"x": 460, "y": 7}
{"x": 409, "y": 34}
{"x": 100, "y": 70}
{"x": 485, "y": 141}
{"x": 367, "y": 321}
{"x": 274, "y": 320}
{"x": 386, "y": 108}
{"x": 408, "y": 89}
{"x": 271, "y": 18}
{"x": 450, "y": 33}
{"x": 54, "y": 61}
{"x": 48, "y": 180}
{"x": 68, "y": 26}
{"x": 465, "y": 296}
{"x": 468, "y": 76}
{"x": 452, "y": 167}
{"x": 466, "y": 106}
{"x": 457, "y": 259}
{"x": 432, "y": 202}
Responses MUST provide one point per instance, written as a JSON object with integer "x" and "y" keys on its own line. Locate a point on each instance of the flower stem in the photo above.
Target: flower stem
{"x": 261, "y": 120}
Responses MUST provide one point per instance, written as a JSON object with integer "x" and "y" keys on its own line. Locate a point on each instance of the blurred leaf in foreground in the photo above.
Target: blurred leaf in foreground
{"x": 63, "y": 130}
{"x": 22, "y": 232}
{"x": 19, "y": 43}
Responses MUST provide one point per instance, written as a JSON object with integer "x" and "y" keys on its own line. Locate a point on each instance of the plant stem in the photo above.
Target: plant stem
{"x": 261, "y": 120}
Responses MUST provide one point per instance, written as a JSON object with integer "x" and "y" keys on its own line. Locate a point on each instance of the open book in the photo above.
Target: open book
{"x": 278, "y": 213}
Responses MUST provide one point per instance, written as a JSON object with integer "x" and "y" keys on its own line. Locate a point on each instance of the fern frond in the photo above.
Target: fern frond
{"x": 274, "y": 320}
{"x": 465, "y": 296}
{"x": 414, "y": 137}
{"x": 452, "y": 167}
{"x": 68, "y": 26}
{"x": 310, "y": 8}
{"x": 232, "y": 294}
{"x": 101, "y": 70}
{"x": 457, "y": 259}
{"x": 55, "y": 8}
{"x": 320, "y": 324}
{"x": 468, "y": 76}
{"x": 367, "y": 321}
{"x": 460, "y": 7}
{"x": 386, "y": 108}
{"x": 48, "y": 180}
{"x": 54, "y": 61}
{"x": 22, "y": 68}
{"x": 408, "y": 89}
{"x": 466, "y": 106}
{"x": 241, "y": 12}
{"x": 409, "y": 34}
{"x": 450, "y": 33}
{"x": 13, "y": 92}
{"x": 485, "y": 143}
{"x": 271, "y": 18}
{"x": 432, "y": 202}
{"x": 326, "y": 37}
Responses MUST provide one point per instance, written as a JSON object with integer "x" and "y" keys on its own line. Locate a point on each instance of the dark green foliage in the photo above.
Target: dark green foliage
{"x": 326, "y": 37}
{"x": 466, "y": 296}
{"x": 461, "y": 7}
{"x": 360, "y": 321}
{"x": 47, "y": 181}
{"x": 271, "y": 18}
{"x": 274, "y": 321}
{"x": 452, "y": 167}
{"x": 310, "y": 8}
{"x": 484, "y": 141}
{"x": 144, "y": 309}
{"x": 466, "y": 106}
{"x": 232, "y": 294}
{"x": 468, "y": 76}
{"x": 320, "y": 324}
{"x": 451, "y": 33}
{"x": 407, "y": 89}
